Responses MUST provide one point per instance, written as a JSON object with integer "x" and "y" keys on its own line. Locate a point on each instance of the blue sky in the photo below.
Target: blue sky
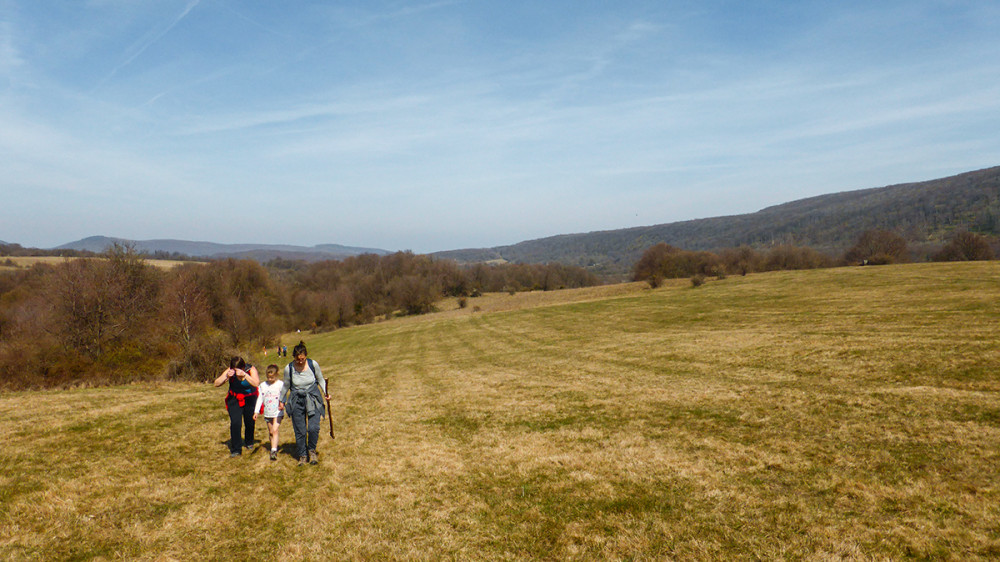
{"x": 435, "y": 125}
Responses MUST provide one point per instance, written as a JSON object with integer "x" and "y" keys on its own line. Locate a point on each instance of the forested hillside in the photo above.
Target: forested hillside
{"x": 923, "y": 213}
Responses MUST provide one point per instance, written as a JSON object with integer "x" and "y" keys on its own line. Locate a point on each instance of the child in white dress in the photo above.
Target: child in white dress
{"x": 268, "y": 404}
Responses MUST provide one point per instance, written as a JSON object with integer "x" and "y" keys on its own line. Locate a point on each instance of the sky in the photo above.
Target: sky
{"x": 432, "y": 125}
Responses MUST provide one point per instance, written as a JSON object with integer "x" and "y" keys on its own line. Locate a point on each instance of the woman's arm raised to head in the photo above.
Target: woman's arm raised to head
{"x": 223, "y": 377}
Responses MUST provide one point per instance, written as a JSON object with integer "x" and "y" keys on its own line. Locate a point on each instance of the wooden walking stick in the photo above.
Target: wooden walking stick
{"x": 329, "y": 416}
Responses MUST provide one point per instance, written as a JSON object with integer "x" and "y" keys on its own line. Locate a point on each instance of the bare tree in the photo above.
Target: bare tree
{"x": 101, "y": 302}
{"x": 186, "y": 306}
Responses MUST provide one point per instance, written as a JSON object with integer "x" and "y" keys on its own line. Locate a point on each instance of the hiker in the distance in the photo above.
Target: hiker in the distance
{"x": 240, "y": 402}
{"x": 302, "y": 401}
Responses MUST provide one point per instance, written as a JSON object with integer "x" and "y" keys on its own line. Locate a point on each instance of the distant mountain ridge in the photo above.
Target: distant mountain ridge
{"x": 261, "y": 252}
{"x": 924, "y": 213}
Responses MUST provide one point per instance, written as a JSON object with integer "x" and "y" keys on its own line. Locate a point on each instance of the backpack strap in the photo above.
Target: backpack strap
{"x": 312, "y": 367}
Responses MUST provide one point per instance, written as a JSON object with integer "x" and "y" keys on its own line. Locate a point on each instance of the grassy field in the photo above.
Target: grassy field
{"x": 12, "y": 263}
{"x": 850, "y": 413}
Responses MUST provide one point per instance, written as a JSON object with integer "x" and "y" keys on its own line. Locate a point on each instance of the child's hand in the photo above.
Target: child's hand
{"x": 255, "y": 417}
{"x": 281, "y": 407}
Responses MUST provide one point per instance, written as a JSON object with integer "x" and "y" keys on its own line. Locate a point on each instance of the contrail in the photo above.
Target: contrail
{"x": 148, "y": 40}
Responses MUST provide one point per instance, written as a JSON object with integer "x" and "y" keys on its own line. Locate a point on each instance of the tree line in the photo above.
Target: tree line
{"x": 119, "y": 319}
{"x": 873, "y": 247}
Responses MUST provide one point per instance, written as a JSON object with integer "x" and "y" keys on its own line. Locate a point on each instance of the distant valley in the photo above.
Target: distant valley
{"x": 259, "y": 252}
{"x": 925, "y": 213}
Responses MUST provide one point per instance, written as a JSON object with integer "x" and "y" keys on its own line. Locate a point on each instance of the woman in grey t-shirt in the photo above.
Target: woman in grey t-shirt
{"x": 302, "y": 402}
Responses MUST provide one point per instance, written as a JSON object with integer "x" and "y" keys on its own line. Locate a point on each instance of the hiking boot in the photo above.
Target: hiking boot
{"x": 313, "y": 457}
{"x": 302, "y": 461}
{"x": 274, "y": 455}
{"x": 236, "y": 454}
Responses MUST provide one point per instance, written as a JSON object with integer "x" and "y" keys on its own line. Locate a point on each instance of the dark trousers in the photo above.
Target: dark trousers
{"x": 240, "y": 416}
{"x": 306, "y": 431}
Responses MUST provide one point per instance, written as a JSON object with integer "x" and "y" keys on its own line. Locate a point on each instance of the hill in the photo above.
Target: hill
{"x": 924, "y": 212}
{"x": 260, "y": 252}
{"x": 776, "y": 416}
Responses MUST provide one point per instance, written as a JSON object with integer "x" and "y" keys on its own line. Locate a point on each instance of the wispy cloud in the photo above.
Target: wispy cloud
{"x": 373, "y": 17}
{"x": 419, "y": 8}
{"x": 298, "y": 114}
{"x": 151, "y": 37}
{"x": 569, "y": 116}
{"x": 10, "y": 57}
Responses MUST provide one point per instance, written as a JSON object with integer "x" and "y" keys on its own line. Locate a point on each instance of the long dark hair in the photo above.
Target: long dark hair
{"x": 237, "y": 362}
{"x": 301, "y": 348}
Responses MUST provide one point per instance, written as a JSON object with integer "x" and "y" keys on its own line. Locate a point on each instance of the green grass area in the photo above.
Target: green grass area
{"x": 849, "y": 413}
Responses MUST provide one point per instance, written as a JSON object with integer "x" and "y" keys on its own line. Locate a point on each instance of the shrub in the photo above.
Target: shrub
{"x": 741, "y": 260}
{"x": 788, "y": 257}
{"x": 668, "y": 262}
{"x": 202, "y": 361}
{"x": 697, "y": 280}
{"x": 414, "y": 294}
{"x": 878, "y": 247}
{"x": 966, "y": 246}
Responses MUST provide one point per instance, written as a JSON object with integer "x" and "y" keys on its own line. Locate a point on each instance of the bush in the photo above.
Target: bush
{"x": 203, "y": 360}
{"x": 966, "y": 246}
{"x": 697, "y": 280}
{"x": 878, "y": 247}
{"x": 664, "y": 261}
{"x": 787, "y": 257}
{"x": 741, "y": 260}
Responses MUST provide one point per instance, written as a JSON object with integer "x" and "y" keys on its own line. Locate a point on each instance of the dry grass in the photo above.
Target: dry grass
{"x": 28, "y": 261}
{"x": 837, "y": 414}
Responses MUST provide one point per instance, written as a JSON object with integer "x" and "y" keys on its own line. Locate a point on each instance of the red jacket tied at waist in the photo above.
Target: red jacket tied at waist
{"x": 240, "y": 397}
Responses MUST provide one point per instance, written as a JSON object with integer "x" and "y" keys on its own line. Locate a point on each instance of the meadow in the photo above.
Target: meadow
{"x": 12, "y": 263}
{"x": 849, "y": 413}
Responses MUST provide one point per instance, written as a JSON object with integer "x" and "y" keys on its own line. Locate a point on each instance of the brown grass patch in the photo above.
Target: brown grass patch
{"x": 28, "y": 261}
